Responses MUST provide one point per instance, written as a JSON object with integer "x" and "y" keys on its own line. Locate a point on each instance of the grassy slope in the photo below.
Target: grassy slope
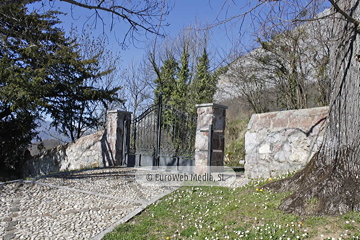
{"x": 226, "y": 213}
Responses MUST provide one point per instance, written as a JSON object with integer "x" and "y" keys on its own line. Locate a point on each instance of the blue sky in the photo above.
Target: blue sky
{"x": 183, "y": 14}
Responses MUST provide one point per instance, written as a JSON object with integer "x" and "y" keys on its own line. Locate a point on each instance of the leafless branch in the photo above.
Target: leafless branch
{"x": 117, "y": 10}
{"x": 342, "y": 12}
{"x": 313, "y": 19}
{"x": 140, "y": 15}
{"x": 235, "y": 17}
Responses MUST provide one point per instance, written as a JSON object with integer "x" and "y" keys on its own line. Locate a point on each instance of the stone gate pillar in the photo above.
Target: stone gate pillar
{"x": 210, "y": 115}
{"x": 115, "y": 127}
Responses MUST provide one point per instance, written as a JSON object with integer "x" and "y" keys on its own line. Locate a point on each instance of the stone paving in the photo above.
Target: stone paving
{"x": 77, "y": 205}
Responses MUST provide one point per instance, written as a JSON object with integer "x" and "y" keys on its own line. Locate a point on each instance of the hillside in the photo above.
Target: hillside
{"x": 288, "y": 71}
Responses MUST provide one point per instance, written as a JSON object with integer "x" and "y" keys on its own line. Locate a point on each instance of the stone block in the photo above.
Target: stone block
{"x": 279, "y": 122}
{"x": 282, "y": 156}
{"x": 201, "y": 142}
{"x": 263, "y": 122}
{"x": 265, "y": 148}
{"x": 299, "y": 156}
{"x": 251, "y": 141}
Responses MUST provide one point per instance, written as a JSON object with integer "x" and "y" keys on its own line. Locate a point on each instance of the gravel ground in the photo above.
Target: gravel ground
{"x": 77, "y": 205}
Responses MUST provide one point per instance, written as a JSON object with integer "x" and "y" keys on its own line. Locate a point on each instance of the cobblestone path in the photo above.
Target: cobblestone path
{"x": 77, "y": 205}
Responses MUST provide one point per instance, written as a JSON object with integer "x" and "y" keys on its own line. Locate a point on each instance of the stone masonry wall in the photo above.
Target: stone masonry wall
{"x": 278, "y": 142}
{"x": 101, "y": 149}
{"x": 86, "y": 152}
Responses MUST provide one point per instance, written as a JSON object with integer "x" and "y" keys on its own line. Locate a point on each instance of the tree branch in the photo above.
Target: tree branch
{"x": 151, "y": 9}
{"x": 234, "y": 17}
{"x": 114, "y": 10}
{"x": 312, "y": 19}
{"x": 342, "y": 12}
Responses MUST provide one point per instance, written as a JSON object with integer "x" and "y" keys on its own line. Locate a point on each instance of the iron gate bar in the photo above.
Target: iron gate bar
{"x": 135, "y": 123}
{"x": 125, "y": 143}
{"x": 171, "y": 135}
{"x": 210, "y": 145}
{"x": 158, "y": 137}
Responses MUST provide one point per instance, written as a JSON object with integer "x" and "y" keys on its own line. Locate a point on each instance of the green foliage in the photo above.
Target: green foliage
{"x": 173, "y": 81}
{"x": 16, "y": 129}
{"x": 180, "y": 94}
{"x": 41, "y": 72}
{"x": 181, "y": 88}
{"x": 166, "y": 79}
{"x": 202, "y": 86}
{"x": 235, "y": 142}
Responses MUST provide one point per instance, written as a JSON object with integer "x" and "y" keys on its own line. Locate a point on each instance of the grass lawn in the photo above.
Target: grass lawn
{"x": 231, "y": 213}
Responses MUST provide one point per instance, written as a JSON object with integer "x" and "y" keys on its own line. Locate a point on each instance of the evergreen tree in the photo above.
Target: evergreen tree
{"x": 41, "y": 72}
{"x": 174, "y": 81}
{"x": 203, "y": 86}
{"x": 166, "y": 80}
{"x": 180, "y": 94}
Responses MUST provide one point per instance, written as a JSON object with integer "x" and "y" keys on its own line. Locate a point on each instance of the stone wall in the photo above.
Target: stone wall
{"x": 84, "y": 153}
{"x": 278, "y": 142}
{"x": 101, "y": 149}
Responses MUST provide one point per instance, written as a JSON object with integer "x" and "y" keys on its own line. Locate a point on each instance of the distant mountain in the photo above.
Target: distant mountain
{"x": 46, "y": 132}
{"x": 50, "y": 138}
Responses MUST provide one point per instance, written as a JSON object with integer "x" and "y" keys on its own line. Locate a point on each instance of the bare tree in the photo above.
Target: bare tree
{"x": 246, "y": 81}
{"x": 193, "y": 38}
{"x": 137, "y": 83}
{"x": 109, "y": 61}
{"x": 331, "y": 178}
{"x": 332, "y": 175}
{"x": 320, "y": 41}
{"x": 141, "y": 16}
{"x": 283, "y": 71}
{"x": 282, "y": 61}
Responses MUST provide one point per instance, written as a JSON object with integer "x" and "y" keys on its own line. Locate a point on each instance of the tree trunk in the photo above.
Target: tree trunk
{"x": 329, "y": 184}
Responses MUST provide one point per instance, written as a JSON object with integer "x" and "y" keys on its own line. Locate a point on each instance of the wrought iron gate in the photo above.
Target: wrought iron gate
{"x": 161, "y": 136}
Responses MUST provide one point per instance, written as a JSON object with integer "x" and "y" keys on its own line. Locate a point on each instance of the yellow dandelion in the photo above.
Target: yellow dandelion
{"x": 260, "y": 190}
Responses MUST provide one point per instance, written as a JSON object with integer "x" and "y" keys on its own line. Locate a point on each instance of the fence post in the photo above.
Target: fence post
{"x": 211, "y": 117}
{"x": 210, "y": 122}
{"x": 115, "y": 137}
